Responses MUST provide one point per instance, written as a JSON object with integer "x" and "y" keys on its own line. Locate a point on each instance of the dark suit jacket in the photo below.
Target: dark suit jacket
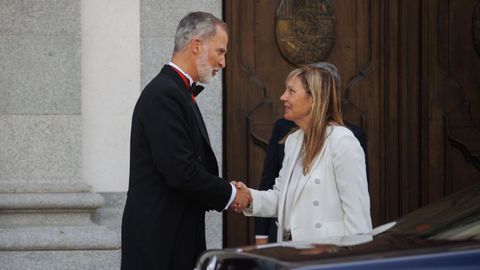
{"x": 273, "y": 163}
{"x": 173, "y": 179}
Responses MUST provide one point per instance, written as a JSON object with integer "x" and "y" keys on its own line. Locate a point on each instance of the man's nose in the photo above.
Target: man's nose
{"x": 221, "y": 63}
{"x": 283, "y": 96}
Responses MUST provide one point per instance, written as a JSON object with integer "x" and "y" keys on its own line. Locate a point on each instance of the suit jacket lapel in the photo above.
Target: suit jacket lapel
{"x": 196, "y": 111}
{"x": 200, "y": 123}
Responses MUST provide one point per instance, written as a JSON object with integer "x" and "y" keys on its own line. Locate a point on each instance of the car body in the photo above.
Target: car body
{"x": 442, "y": 235}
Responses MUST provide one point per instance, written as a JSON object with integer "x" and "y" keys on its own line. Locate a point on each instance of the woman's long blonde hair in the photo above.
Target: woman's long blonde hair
{"x": 326, "y": 108}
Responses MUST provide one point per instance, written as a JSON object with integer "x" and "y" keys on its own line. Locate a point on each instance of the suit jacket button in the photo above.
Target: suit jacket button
{"x": 317, "y": 181}
{"x": 316, "y": 203}
{"x": 199, "y": 159}
{"x": 318, "y": 225}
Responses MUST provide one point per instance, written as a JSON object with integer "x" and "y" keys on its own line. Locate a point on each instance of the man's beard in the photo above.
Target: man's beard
{"x": 205, "y": 72}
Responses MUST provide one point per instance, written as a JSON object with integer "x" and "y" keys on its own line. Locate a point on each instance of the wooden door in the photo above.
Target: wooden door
{"x": 410, "y": 76}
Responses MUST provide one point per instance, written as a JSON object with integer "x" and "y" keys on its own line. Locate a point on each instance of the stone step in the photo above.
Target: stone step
{"x": 93, "y": 237}
{"x": 60, "y": 260}
{"x": 36, "y": 201}
{"x": 53, "y": 221}
{"x": 45, "y": 209}
{"x": 37, "y": 186}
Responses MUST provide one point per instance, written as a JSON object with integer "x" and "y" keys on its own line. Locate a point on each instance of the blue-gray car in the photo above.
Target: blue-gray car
{"x": 443, "y": 235}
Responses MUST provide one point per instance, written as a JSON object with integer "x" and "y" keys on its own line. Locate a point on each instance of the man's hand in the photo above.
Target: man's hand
{"x": 243, "y": 197}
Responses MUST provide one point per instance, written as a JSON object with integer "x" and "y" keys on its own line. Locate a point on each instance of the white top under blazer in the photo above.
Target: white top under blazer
{"x": 331, "y": 200}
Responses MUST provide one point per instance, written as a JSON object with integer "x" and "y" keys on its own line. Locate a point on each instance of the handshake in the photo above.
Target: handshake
{"x": 242, "y": 199}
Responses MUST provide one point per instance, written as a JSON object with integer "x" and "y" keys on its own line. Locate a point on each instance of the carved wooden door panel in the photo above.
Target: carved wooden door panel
{"x": 451, "y": 106}
{"x": 269, "y": 39}
{"x": 403, "y": 82}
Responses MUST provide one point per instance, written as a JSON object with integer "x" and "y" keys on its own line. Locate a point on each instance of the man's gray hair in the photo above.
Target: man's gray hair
{"x": 332, "y": 69}
{"x": 201, "y": 25}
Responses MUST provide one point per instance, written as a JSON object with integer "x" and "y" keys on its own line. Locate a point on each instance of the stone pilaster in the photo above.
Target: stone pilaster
{"x": 45, "y": 207}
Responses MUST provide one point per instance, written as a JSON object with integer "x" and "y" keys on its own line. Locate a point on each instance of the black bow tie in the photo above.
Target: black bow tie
{"x": 196, "y": 89}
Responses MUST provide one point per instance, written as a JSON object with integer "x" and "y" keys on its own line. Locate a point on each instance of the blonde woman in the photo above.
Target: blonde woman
{"x": 321, "y": 190}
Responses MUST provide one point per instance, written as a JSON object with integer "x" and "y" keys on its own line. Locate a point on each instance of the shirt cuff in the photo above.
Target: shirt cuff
{"x": 232, "y": 196}
{"x": 261, "y": 236}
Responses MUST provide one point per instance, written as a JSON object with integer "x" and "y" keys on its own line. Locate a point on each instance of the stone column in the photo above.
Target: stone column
{"x": 45, "y": 207}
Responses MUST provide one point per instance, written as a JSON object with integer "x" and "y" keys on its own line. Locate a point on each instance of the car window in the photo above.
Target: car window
{"x": 456, "y": 217}
{"x": 464, "y": 230}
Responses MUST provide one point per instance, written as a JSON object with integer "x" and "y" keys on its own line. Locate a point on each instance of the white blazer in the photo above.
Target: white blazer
{"x": 331, "y": 200}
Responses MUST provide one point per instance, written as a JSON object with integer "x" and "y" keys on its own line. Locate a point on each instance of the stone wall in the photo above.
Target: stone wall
{"x": 49, "y": 215}
{"x": 40, "y": 94}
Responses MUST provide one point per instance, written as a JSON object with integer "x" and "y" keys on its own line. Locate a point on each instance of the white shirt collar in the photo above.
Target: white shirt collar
{"x": 183, "y": 72}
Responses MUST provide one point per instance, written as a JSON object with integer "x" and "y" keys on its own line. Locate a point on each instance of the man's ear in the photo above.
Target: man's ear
{"x": 195, "y": 46}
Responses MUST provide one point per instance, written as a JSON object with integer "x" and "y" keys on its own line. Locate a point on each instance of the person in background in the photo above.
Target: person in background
{"x": 173, "y": 171}
{"x": 266, "y": 228}
{"x": 322, "y": 189}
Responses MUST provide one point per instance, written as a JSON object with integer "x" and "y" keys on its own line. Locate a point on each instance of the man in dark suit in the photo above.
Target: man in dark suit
{"x": 173, "y": 170}
{"x": 266, "y": 228}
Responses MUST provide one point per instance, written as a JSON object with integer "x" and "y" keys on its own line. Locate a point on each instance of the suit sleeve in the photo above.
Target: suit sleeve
{"x": 350, "y": 176}
{"x": 167, "y": 129}
{"x": 362, "y": 139}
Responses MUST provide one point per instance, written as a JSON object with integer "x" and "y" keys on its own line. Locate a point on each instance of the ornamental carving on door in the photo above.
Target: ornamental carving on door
{"x": 305, "y": 30}
{"x": 476, "y": 28}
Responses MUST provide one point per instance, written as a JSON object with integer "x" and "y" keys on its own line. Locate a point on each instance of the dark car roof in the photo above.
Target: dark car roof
{"x": 383, "y": 246}
{"x": 448, "y": 226}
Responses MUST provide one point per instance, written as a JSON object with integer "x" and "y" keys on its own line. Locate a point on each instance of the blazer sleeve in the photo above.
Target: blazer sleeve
{"x": 167, "y": 128}
{"x": 265, "y": 202}
{"x": 350, "y": 176}
{"x": 271, "y": 168}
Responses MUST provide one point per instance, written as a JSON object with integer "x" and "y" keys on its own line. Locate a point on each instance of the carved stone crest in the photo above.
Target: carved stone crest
{"x": 476, "y": 28}
{"x": 305, "y": 30}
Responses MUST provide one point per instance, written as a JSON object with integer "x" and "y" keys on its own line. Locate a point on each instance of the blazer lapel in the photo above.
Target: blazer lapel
{"x": 297, "y": 145}
{"x": 304, "y": 180}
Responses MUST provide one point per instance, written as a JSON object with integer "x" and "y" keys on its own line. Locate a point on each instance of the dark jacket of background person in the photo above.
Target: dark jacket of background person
{"x": 173, "y": 179}
{"x": 273, "y": 163}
